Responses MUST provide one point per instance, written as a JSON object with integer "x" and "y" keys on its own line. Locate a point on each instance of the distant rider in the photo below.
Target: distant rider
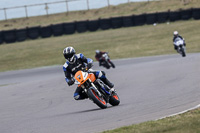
{"x": 75, "y": 62}
{"x": 99, "y": 57}
{"x": 176, "y": 35}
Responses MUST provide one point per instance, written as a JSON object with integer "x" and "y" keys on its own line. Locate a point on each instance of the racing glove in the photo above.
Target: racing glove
{"x": 70, "y": 82}
{"x": 89, "y": 65}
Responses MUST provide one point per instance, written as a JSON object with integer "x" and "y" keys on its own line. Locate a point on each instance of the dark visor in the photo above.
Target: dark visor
{"x": 67, "y": 56}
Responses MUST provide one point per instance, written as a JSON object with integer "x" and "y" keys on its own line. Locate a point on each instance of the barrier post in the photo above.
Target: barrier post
{"x": 46, "y": 8}
{"x": 88, "y": 7}
{"x": 5, "y": 13}
{"x": 108, "y": 2}
{"x": 67, "y": 6}
{"x": 26, "y": 11}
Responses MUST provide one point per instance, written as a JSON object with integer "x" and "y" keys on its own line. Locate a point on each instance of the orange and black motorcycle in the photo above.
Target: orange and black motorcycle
{"x": 95, "y": 89}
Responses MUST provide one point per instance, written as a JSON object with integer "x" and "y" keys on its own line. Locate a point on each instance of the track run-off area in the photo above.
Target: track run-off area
{"x": 40, "y": 101}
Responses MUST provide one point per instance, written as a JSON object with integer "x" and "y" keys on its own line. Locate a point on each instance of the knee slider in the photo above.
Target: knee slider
{"x": 76, "y": 96}
{"x": 101, "y": 74}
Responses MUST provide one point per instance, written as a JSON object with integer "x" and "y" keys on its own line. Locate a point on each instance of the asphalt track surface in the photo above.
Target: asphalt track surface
{"x": 39, "y": 100}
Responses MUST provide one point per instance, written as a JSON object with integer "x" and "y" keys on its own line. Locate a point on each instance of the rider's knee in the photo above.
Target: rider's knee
{"x": 103, "y": 73}
{"x": 100, "y": 74}
{"x": 80, "y": 96}
{"x": 76, "y": 96}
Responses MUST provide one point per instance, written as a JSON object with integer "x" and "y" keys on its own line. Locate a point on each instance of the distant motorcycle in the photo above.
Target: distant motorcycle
{"x": 95, "y": 89}
{"x": 180, "y": 46}
{"x": 106, "y": 62}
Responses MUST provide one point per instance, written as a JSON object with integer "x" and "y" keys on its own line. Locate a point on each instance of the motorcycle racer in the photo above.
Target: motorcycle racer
{"x": 98, "y": 56}
{"x": 75, "y": 62}
{"x": 104, "y": 59}
{"x": 176, "y": 35}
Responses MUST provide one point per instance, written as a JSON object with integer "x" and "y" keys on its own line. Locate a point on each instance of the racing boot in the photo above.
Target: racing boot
{"x": 109, "y": 84}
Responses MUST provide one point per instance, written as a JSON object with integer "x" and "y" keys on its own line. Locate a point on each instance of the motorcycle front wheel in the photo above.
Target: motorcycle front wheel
{"x": 98, "y": 100}
{"x": 107, "y": 65}
{"x": 183, "y": 53}
{"x": 112, "y": 64}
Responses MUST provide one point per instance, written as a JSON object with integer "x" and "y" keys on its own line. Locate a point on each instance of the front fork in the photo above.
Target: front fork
{"x": 103, "y": 87}
{"x": 96, "y": 89}
{"x": 105, "y": 94}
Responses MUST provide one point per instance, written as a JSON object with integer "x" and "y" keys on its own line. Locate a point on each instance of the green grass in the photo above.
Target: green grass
{"x": 185, "y": 123}
{"x": 138, "y": 41}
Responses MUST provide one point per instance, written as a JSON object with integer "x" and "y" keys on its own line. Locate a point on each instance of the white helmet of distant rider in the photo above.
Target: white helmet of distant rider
{"x": 175, "y": 33}
{"x": 69, "y": 54}
{"x": 97, "y": 51}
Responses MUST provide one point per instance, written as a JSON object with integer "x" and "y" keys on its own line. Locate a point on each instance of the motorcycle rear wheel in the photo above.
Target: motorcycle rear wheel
{"x": 114, "y": 99}
{"x": 98, "y": 100}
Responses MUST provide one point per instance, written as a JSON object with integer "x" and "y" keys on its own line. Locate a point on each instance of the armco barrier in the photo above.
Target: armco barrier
{"x": 127, "y": 21}
{"x": 33, "y": 32}
{"x": 162, "y": 17}
{"x": 93, "y": 25}
{"x": 116, "y": 22}
{"x": 69, "y": 28}
{"x": 57, "y": 29}
{"x": 1, "y": 38}
{"x": 151, "y": 18}
{"x": 174, "y": 16}
{"x": 196, "y": 13}
{"x": 21, "y": 34}
{"x": 81, "y": 26}
{"x": 45, "y": 31}
{"x": 186, "y": 14}
{"x": 9, "y": 36}
{"x": 104, "y": 24}
{"x": 139, "y": 19}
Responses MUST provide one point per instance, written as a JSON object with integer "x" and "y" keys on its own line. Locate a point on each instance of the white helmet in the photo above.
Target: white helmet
{"x": 175, "y": 33}
{"x": 69, "y": 53}
{"x": 97, "y": 51}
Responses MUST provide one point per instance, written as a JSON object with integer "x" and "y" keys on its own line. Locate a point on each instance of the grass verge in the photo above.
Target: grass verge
{"x": 184, "y": 123}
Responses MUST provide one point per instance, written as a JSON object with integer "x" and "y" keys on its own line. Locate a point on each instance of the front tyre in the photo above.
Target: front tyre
{"x": 183, "y": 53}
{"x": 112, "y": 64}
{"x": 107, "y": 65}
{"x": 114, "y": 99}
{"x": 99, "y": 100}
